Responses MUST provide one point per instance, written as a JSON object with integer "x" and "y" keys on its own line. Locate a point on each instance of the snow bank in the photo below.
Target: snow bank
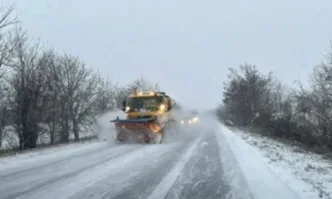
{"x": 263, "y": 183}
{"x": 307, "y": 173}
{"x": 104, "y": 127}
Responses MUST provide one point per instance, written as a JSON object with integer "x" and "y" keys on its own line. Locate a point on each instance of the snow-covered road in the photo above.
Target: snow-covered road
{"x": 203, "y": 165}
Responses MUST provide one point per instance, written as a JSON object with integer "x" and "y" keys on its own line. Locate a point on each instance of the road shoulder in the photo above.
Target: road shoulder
{"x": 307, "y": 173}
{"x": 263, "y": 182}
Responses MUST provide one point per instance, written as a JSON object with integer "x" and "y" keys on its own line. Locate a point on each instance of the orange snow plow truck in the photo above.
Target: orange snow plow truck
{"x": 148, "y": 114}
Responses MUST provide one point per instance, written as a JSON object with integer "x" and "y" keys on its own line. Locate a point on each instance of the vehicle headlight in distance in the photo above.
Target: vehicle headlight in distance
{"x": 189, "y": 121}
{"x": 182, "y": 121}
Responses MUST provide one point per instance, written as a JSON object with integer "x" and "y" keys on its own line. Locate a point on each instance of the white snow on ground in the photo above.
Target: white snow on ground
{"x": 263, "y": 183}
{"x": 116, "y": 170}
{"x": 11, "y": 140}
{"x": 104, "y": 126}
{"x": 106, "y": 132}
{"x": 166, "y": 184}
{"x": 308, "y": 174}
{"x": 47, "y": 155}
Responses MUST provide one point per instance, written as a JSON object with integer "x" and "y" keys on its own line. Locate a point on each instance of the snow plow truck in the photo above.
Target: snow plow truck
{"x": 147, "y": 115}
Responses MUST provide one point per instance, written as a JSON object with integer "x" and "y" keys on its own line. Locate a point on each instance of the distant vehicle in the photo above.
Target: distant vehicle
{"x": 192, "y": 119}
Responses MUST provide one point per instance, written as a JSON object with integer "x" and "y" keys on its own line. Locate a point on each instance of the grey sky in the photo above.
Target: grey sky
{"x": 186, "y": 46}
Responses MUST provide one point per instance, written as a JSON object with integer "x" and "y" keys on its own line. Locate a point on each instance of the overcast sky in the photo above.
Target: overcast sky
{"x": 186, "y": 46}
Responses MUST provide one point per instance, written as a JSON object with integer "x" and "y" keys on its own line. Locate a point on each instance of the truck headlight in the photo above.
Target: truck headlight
{"x": 127, "y": 108}
{"x": 162, "y": 107}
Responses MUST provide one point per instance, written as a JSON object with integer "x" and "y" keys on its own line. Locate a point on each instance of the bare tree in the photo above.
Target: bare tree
{"x": 144, "y": 84}
{"x": 6, "y": 21}
{"x": 247, "y": 96}
{"x": 320, "y": 99}
{"x": 140, "y": 84}
{"x": 4, "y": 114}
{"x": 107, "y": 100}
{"x": 4, "y": 107}
{"x": 251, "y": 99}
{"x": 28, "y": 82}
{"x": 82, "y": 89}
{"x": 7, "y": 18}
{"x": 53, "y": 71}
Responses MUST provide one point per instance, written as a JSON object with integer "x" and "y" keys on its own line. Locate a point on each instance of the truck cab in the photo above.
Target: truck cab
{"x": 147, "y": 104}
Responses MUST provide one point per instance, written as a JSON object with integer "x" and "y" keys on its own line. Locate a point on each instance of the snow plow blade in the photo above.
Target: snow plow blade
{"x": 145, "y": 130}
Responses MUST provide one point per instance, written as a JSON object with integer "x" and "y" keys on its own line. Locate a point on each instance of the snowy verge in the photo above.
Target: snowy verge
{"x": 102, "y": 129}
{"x": 105, "y": 129}
{"x": 49, "y": 154}
{"x": 307, "y": 173}
{"x": 262, "y": 181}
{"x": 10, "y": 139}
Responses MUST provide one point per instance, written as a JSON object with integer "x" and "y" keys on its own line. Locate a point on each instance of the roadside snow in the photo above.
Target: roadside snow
{"x": 11, "y": 140}
{"x": 306, "y": 173}
{"x": 43, "y": 155}
{"x": 104, "y": 127}
{"x": 263, "y": 183}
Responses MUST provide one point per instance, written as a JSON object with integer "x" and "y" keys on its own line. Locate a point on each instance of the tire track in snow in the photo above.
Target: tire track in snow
{"x": 23, "y": 172}
{"x": 201, "y": 176}
{"x": 135, "y": 180}
{"x": 38, "y": 184}
{"x": 70, "y": 187}
{"x": 166, "y": 184}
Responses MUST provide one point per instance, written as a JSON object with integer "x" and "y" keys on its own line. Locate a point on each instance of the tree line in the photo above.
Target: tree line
{"x": 262, "y": 102}
{"x": 43, "y": 92}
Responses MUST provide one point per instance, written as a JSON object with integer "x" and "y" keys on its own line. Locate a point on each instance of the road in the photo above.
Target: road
{"x": 197, "y": 164}
{"x": 187, "y": 168}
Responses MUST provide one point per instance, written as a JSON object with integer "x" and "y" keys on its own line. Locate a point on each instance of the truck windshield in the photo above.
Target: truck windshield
{"x": 149, "y": 103}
